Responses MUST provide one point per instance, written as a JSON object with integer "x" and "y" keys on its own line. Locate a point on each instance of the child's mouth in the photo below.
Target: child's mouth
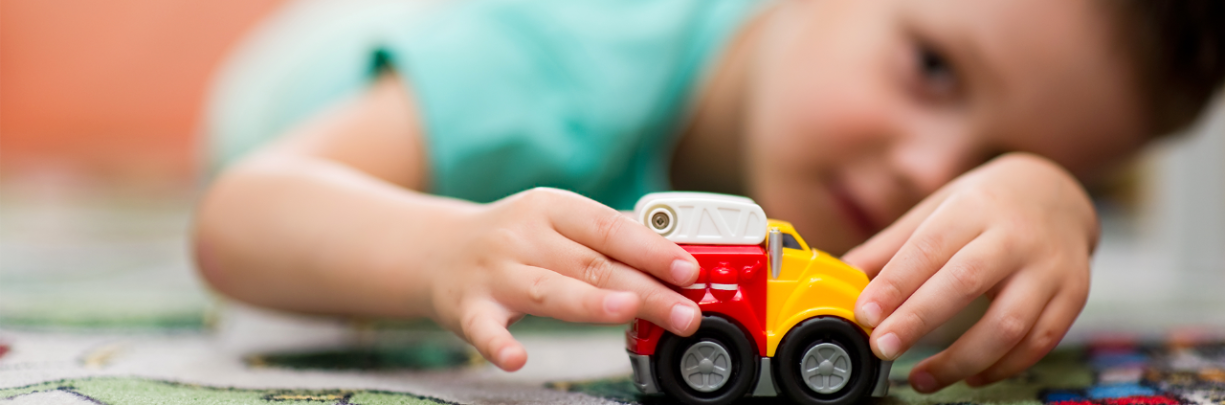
{"x": 852, "y": 211}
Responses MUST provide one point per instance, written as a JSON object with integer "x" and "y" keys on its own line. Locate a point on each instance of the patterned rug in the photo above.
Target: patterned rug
{"x": 1104, "y": 372}
{"x": 1108, "y": 371}
{"x": 128, "y": 390}
{"x": 99, "y": 305}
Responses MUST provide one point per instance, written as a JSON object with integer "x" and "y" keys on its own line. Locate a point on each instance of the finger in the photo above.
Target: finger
{"x": 1009, "y": 319}
{"x": 658, "y": 303}
{"x": 974, "y": 269}
{"x": 872, "y": 255}
{"x": 484, "y": 326}
{"x": 925, "y": 252}
{"x": 625, "y": 240}
{"x": 543, "y": 292}
{"x": 1050, "y": 328}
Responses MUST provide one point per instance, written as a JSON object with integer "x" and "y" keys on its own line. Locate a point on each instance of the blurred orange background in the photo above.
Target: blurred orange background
{"x": 111, "y": 89}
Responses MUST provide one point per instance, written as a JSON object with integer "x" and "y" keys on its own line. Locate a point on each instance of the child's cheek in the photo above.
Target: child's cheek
{"x": 817, "y": 101}
{"x": 842, "y": 119}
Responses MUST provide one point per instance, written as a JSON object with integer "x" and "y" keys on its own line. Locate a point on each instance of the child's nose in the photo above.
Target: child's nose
{"x": 930, "y": 162}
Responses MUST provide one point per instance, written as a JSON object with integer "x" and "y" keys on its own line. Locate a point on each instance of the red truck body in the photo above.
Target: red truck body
{"x": 732, "y": 283}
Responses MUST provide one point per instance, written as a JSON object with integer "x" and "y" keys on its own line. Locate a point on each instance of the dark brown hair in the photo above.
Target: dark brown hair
{"x": 1177, "y": 49}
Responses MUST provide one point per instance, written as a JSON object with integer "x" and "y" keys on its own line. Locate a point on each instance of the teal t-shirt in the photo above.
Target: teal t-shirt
{"x": 585, "y": 95}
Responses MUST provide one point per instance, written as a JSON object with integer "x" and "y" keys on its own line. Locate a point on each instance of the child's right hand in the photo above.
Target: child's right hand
{"x": 553, "y": 253}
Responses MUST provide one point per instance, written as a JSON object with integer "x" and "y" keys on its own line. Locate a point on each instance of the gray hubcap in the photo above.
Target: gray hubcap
{"x": 706, "y": 366}
{"x": 826, "y": 368}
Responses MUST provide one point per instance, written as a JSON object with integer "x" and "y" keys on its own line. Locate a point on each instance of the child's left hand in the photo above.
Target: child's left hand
{"x": 1019, "y": 229}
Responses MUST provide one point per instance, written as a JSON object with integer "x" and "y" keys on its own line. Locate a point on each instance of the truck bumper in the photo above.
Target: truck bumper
{"x": 882, "y": 380}
{"x": 644, "y": 378}
{"x": 767, "y": 388}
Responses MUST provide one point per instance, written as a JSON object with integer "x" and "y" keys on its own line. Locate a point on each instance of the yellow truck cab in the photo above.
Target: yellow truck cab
{"x": 809, "y": 283}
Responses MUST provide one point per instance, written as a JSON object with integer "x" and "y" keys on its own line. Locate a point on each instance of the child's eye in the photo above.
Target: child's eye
{"x": 938, "y": 77}
{"x": 932, "y": 63}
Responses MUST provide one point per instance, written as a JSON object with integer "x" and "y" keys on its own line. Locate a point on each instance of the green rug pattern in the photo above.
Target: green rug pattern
{"x": 139, "y": 391}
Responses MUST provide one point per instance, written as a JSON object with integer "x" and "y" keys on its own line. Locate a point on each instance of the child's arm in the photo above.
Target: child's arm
{"x": 326, "y": 221}
{"x": 1020, "y": 230}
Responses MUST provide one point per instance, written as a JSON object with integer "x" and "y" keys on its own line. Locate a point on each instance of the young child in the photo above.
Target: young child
{"x": 946, "y": 140}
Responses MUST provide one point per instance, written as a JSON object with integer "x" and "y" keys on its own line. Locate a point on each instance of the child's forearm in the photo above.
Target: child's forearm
{"x": 311, "y": 235}
{"x": 325, "y": 220}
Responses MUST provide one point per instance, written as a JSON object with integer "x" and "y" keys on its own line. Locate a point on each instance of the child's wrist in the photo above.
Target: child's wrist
{"x": 441, "y": 242}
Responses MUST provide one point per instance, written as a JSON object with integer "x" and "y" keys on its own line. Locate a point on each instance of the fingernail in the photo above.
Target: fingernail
{"x": 682, "y": 316}
{"x": 923, "y": 382}
{"x": 869, "y": 314}
{"x": 683, "y": 271}
{"x": 889, "y": 345}
{"x": 617, "y": 302}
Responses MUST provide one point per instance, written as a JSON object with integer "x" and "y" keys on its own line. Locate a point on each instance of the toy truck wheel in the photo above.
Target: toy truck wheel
{"x": 715, "y": 365}
{"x": 825, "y": 361}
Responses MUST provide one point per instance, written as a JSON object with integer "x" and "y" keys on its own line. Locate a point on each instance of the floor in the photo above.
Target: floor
{"x": 98, "y": 303}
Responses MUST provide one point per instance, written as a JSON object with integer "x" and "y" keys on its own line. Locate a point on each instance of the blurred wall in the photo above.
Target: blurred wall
{"x": 114, "y": 88}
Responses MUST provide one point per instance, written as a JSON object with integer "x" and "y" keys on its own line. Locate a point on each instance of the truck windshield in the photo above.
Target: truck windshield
{"x": 790, "y": 242}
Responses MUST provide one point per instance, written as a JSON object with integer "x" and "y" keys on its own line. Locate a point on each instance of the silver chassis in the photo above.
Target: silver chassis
{"x": 644, "y": 377}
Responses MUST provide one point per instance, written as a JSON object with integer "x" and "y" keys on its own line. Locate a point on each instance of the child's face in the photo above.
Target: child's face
{"x": 859, "y": 109}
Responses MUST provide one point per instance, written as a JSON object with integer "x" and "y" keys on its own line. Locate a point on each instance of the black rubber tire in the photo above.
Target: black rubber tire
{"x": 787, "y": 364}
{"x": 727, "y": 334}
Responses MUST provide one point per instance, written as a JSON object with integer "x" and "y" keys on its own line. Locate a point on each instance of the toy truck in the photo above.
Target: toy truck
{"x": 777, "y": 315}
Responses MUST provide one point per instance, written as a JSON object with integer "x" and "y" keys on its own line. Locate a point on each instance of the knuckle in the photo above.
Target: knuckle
{"x": 468, "y": 324}
{"x": 608, "y": 226}
{"x": 1022, "y": 235}
{"x": 1037, "y": 164}
{"x": 911, "y": 324}
{"x": 504, "y": 237}
{"x": 1018, "y": 158}
{"x": 537, "y": 194}
{"x": 981, "y": 197}
{"x": 597, "y": 270}
{"x": 1020, "y": 225}
{"x": 1044, "y": 341}
{"x": 1011, "y": 328}
{"x": 650, "y": 296}
{"x": 967, "y": 278}
{"x": 888, "y": 291}
{"x": 927, "y": 248}
{"x": 536, "y": 198}
{"x": 536, "y": 291}
{"x": 483, "y": 263}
